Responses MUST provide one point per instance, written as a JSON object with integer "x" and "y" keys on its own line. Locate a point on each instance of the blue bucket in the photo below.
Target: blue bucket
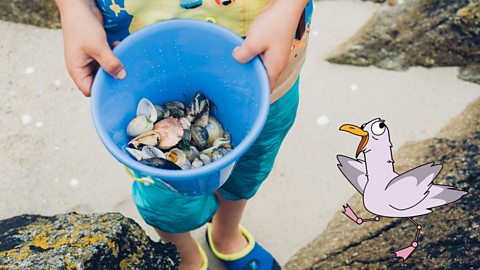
{"x": 173, "y": 60}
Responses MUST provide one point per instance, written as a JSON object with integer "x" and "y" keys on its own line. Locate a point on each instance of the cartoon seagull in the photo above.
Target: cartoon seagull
{"x": 386, "y": 193}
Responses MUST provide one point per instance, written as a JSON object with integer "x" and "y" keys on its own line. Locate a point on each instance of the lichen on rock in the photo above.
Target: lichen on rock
{"x": 450, "y": 235}
{"x": 77, "y": 241}
{"x": 428, "y": 33}
{"x": 43, "y": 13}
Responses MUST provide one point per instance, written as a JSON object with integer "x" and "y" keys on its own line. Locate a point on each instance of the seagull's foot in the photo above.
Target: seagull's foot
{"x": 350, "y": 214}
{"x": 405, "y": 252}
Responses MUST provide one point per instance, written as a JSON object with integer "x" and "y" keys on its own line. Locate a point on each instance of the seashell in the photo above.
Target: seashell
{"x": 187, "y": 165}
{"x": 146, "y": 153}
{"x": 137, "y": 154}
{"x": 184, "y": 143}
{"x": 197, "y": 163}
{"x": 227, "y": 135}
{"x": 177, "y": 109}
{"x": 219, "y": 142}
{"x": 205, "y": 159}
{"x": 177, "y": 156}
{"x": 219, "y": 153}
{"x": 145, "y": 107}
{"x": 199, "y": 136}
{"x": 198, "y": 110}
{"x": 214, "y": 129}
{"x": 151, "y": 138}
{"x": 171, "y": 132}
{"x": 153, "y": 152}
{"x": 139, "y": 125}
{"x": 186, "y": 124}
{"x": 162, "y": 112}
{"x": 160, "y": 163}
{"x": 192, "y": 153}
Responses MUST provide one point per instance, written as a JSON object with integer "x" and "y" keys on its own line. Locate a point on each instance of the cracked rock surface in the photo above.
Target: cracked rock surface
{"x": 450, "y": 235}
{"x": 78, "y": 241}
{"x": 427, "y": 33}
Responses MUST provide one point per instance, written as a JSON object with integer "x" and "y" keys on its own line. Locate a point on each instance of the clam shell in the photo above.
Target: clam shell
{"x": 205, "y": 159}
{"x": 137, "y": 154}
{"x": 186, "y": 124}
{"x": 153, "y": 152}
{"x": 139, "y": 125}
{"x": 192, "y": 153}
{"x": 219, "y": 153}
{"x": 176, "y": 108}
{"x": 197, "y": 163}
{"x": 162, "y": 112}
{"x": 219, "y": 142}
{"x": 145, "y": 107}
{"x": 199, "y": 136}
{"x": 171, "y": 132}
{"x": 151, "y": 138}
{"x": 214, "y": 129}
{"x": 160, "y": 163}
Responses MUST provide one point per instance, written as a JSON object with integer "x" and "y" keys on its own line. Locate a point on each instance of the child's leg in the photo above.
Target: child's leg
{"x": 186, "y": 246}
{"x": 226, "y": 233}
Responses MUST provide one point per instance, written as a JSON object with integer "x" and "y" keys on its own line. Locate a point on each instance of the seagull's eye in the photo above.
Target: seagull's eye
{"x": 363, "y": 126}
{"x": 378, "y": 128}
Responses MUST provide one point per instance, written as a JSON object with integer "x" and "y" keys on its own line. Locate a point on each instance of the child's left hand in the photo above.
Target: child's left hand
{"x": 271, "y": 36}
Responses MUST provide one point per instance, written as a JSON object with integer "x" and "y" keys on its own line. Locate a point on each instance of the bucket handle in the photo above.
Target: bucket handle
{"x": 141, "y": 180}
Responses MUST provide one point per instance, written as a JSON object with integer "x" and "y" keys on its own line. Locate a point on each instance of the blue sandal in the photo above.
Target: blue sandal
{"x": 252, "y": 257}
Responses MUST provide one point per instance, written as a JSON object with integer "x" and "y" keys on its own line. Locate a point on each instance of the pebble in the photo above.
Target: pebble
{"x": 74, "y": 182}
{"x": 29, "y": 70}
{"x": 39, "y": 124}
{"x": 323, "y": 120}
{"x": 354, "y": 87}
{"x": 57, "y": 83}
{"x": 26, "y": 119}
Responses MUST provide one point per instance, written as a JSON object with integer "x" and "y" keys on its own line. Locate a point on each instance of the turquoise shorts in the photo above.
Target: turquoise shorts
{"x": 175, "y": 213}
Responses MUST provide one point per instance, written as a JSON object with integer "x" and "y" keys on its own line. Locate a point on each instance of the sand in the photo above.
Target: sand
{"x": 51, "y": 160}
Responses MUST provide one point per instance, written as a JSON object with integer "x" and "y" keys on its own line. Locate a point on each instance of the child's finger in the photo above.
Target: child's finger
{"x": 83, "y": 78}
{"x": 247, "y": 51}
{"x": 109, "y": 62}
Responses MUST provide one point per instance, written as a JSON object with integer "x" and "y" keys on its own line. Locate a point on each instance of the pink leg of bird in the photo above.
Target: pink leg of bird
{"x": 350, "y": 214}
{"x": 404, "y": 253}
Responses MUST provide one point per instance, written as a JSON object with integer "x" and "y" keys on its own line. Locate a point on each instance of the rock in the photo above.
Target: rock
{"x": 428, "y": 33}
{"x": 450, "y": 238}
{"x": 43, "y": 13}
{"x": 77, "y": 241}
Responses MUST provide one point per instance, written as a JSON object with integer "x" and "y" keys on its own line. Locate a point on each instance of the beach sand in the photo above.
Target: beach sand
{"x": 51, "y": 160}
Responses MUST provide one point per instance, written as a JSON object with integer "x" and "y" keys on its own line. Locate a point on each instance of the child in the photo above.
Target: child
{"x": 277, "y": 30}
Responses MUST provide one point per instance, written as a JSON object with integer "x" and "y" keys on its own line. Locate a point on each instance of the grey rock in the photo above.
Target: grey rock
{"x": 78, "y": 241}
{"x": 450, "y": 237}
{"x": 43, "y": 13}
{"x": 428, "y": 33}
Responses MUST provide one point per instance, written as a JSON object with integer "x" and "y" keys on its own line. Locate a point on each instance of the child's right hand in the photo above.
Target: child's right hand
{"x": 86, "y": 45}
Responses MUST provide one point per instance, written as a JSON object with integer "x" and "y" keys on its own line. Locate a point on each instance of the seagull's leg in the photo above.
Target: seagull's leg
{"x": 350, "y": 214}
{"x": 405, "y": 252}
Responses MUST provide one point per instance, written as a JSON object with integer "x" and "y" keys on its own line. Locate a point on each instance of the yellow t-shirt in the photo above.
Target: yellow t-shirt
{"x": 123, "y": 17}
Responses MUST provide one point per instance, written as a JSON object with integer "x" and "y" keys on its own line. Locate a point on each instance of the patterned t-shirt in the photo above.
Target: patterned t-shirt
{"x": 123, "y": 17}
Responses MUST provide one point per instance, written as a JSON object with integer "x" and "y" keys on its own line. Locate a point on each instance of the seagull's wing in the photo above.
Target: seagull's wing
{"x": 410, "y": 188}
{"x": 354, "y": 170}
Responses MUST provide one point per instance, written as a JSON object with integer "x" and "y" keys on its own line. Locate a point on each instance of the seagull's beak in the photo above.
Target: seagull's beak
{"x": 359, "y": 132}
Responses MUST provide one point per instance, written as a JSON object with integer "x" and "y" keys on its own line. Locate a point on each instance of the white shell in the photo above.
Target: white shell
{"x": 153, "y": 152}
{"x": 145, "y": 107}
{"x": 217, "y": 143}
{"x": 151, "y": 138}
{"x": 139, "y": 125}
{"x": 177, "y": 156}
{"x": 214, "y": 129}
{"x": 197, "y": 163}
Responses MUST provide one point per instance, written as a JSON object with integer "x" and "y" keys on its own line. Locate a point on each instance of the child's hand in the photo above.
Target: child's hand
{"x": 271, "y": 36}
{"x": 86, "y": 43}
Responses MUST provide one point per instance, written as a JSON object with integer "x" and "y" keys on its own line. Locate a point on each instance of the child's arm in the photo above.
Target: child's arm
{"x": 86, "y": 43}
{"x": 271, "y": 36}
